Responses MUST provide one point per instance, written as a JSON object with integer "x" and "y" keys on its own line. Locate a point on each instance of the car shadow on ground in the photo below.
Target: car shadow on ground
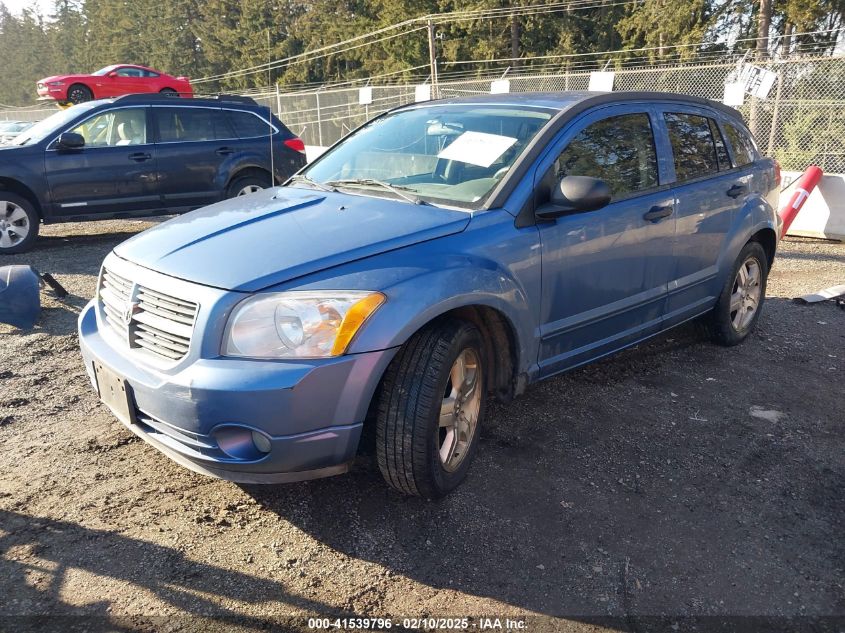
{"x": 626, "y": 488}
{"x": 38, "y": 554}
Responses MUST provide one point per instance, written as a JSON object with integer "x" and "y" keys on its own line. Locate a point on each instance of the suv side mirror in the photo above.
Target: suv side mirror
{"x": 70, "y": 140}
{"x": 575, "y": 194}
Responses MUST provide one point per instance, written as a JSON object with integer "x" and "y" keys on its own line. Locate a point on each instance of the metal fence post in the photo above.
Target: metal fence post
{"x": 278, "y": 102}
{"x": 319, "y": 120}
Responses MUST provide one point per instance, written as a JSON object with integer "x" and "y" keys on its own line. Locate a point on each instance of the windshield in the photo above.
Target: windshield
{"x": 52, "y": 123}
{"x": 103, "y": 71}
{"x": 450, "y": 154}
{"x": 13, "y": 126}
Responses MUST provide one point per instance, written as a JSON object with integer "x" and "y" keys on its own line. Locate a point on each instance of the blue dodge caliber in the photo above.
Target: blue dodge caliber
{"x": 441, "y": 254}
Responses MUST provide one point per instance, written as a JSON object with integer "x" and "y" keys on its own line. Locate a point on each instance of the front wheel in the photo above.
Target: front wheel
{"x": 19, "y": 223}
{"x": 168, "y": 92}
{"x": 741, "y": 300}
{"x": 430, "y": 409}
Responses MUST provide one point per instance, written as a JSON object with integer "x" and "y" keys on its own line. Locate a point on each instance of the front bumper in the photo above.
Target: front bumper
{"x": 311, "y": 411}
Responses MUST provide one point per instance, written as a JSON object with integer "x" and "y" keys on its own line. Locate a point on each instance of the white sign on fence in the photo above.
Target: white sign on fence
{"x": 500, "y": 86}
{"x": 422, "y": 93}
{"x": 602, "y": 81}
{"x": 757, "y": 81}
{"x": 365, "y": 95}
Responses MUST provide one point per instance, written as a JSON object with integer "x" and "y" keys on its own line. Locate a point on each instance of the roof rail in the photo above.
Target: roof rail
{"x": 157, "y": 96}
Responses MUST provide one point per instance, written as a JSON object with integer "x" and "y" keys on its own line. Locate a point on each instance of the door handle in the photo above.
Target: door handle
{"x": 224, "y": 151}
{"x": 658, "y": 212}
{"x": 140, "y": 157}
{"x": 737, "y": 190}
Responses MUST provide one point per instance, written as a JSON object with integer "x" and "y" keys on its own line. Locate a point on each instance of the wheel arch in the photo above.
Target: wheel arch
{"x": 246, "y": 171}
{"x": 15, "y": 186}
{"x": 767, "y": 238}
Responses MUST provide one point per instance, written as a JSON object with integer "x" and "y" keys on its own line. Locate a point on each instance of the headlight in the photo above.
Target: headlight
{"x": 55, "y": 83}
{"x": 295, "y": 324}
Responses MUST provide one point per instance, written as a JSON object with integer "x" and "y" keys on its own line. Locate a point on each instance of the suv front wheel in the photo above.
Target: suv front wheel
{"x": 19, "y": 223}
{"x": 430, "y": 409}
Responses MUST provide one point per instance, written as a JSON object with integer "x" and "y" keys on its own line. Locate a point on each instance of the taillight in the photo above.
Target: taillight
{"x": 296, "y": 143}
{"x": 777, "y": 174}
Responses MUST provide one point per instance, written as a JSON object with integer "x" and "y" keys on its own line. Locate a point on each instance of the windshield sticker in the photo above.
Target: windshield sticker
{"x": 477, "y": 148}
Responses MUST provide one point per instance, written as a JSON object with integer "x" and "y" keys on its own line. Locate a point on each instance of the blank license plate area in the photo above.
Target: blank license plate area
{"x": 113, "y": 392}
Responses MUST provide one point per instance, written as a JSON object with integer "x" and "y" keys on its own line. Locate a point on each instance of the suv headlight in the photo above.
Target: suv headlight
{"x": 298, "y": 324}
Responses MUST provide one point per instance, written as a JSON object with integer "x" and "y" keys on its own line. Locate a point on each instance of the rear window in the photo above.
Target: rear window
{"x": 693, "y": 146}
{"x": 248, "y": 125}
{"x": 742, "y": 145}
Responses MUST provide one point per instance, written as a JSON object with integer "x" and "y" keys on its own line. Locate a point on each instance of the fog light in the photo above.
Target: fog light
{"x": 262, "y": 442}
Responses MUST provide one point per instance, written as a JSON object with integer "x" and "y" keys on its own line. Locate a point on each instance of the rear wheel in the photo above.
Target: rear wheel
{"x": 19, "y": 223}
{"x": 430, "y": 409}
{"x": 738, "y": 307}
{"x": 246, "y": 185}
{"x": 170, "y": 92}
{"x": 78, "y": 93}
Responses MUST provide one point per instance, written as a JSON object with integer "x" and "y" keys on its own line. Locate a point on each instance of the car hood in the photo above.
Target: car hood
{"x": 267, "y": 238}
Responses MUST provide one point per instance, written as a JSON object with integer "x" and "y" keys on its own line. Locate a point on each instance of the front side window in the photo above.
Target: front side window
{"x": 692, "y": 145}
{"x": 742, "y": 145}
{"x": 191, "y": 124}
{"x": 127, "y": 126}
{"x": 452, "y": 154}
{"x": 619, "y": 150}
{"x": 130, "y": 72}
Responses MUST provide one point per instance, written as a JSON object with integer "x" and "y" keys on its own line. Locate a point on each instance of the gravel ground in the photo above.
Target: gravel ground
{"x": 675, "y": 482}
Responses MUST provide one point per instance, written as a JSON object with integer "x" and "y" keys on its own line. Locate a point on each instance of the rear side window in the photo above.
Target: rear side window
{"x": 248, "y": 125}
{"x": 192, "y": 124}
{"x": 742, "y": 145}
{"x": 721, "y": 150}
{"x": 619, "y": 150}
{"x": 692, "y": 145}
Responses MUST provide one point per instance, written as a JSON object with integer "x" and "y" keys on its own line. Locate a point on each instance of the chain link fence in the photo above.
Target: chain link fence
{"x": 801, "y": 122}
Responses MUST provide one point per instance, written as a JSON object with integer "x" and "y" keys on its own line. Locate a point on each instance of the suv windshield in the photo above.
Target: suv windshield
{"x": 449, "y": 154}
{"x": 52, "y": 123}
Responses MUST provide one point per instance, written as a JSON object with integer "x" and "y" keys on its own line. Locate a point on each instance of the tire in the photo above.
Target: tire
{"x": 246, "y": 185}
{"x": 79, "y": 93}
{"x": 416, "y": 455}
{"x": 170, "y": 92}
{"x": 19, "y": 223}
{"x": 739, "y": 305}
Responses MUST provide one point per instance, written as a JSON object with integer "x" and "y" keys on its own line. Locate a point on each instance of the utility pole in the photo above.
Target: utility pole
{"x": 432, "y": 59}
{"x": 764, "y": 22}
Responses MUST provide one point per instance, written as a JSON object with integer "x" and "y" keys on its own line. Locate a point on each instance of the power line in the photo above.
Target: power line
{"x": 440, "y": 18}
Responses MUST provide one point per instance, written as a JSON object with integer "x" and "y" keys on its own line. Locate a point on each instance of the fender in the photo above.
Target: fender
{"x": 755, "y": 215}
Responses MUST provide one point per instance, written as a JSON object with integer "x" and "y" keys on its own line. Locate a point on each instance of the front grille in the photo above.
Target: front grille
{"x": 147, "y": 319}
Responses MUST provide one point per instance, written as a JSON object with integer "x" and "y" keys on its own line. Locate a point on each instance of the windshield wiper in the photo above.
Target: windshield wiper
{"x": 399, "y": 190}
{"x": 313, "y": 183}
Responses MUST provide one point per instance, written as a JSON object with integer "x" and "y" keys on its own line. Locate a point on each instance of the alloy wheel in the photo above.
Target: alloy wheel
{"x": 460, "y": 409}
{"x": 745, "y": 297}
{"x": 14, "y": 224}
{"x": 245, "y": 191}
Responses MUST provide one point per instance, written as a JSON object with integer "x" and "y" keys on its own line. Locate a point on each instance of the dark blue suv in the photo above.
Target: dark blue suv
{"x": 136, "y": 156}
{"x": 443, "y": 253}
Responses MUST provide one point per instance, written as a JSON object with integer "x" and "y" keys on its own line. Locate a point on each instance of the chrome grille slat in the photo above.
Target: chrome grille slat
{"x": 160, "y": 324}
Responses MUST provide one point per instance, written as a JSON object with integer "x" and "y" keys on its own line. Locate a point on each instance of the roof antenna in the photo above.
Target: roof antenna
{"x": 270, "y": 110}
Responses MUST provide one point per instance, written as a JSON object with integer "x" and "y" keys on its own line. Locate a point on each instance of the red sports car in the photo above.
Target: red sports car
{"x": 112, "y": 81}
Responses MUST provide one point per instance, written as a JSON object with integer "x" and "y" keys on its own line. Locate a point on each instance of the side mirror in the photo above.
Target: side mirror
{"x": 574, "y": 194}
{"x": 112, "y": 74}
{"x": 70, "y": 140}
